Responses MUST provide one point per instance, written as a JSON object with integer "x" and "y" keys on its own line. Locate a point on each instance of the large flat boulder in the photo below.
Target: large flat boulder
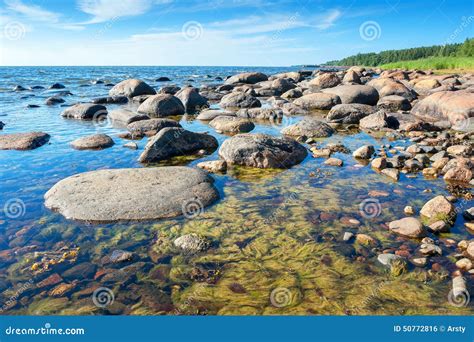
{"x": 23, "y": 141}
{"x": 349, "y": 113}
{"x": 93, "y": 142}
{"x": 231, "y": 124}
{"x": 309, "y": 128}
{"x": 210, "y": 114}
{"x": 262, "y": 151}
{"x": 85, "y": 111}
{"x": 317, "y": 101}
{"x": 271, "y": 114}
{"x": 247, "y": 77}
{"x": 131, "y": 194}
{"x": 158, "y": 106}
{"x": 151, "y": 126}
{"x": 122, "y": 116}
{"x": 131, "y": 88}
{"x": 355, "y": 93}
{"x": 175, "y": 141}
{"x": 455, "y": 106}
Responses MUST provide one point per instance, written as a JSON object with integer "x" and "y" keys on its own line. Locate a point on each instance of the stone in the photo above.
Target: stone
{"x": 85, "y": 270}
{"x": 57, "y": 86}
{"x": 308, "y": 128}
{"x": 408, "y": 210}
{"x": 455, "y": 106}
{"x": 262, "y": 151}
{"x": 439, "y": 227}
{"x": 239, "y": 100}
{"x": 419, "y": 262}
{"x": 438, "y": 208}
{"x": 379, "y": 163}
{"x": 174, "y": 141}
{"x": 119, "y": 256}
{"x": 364, "y": 152}
{"x": 464, "y": 264}
{"x": 386, "y": 259}
{"x": 292, "y": 94}
{"x": 347, "y": 236}
{"x": 392, "y": 173}
{"x": 110, "y": 100}
{"x": 131, "y": 145}
{"x": 387, "y": 87}
{"x": 333, "y": 162}
{"x": 408, "y": 227}
{"x": 93, "y": 142}
{"x": 163, "y": 79}
{"x": 50, "y": 101}
{"x": 459, "y": 150}
{"x": 317, "y": 101}
{"x": 458, "y": 174}
{"x": 23, "y": 141}
{"x": 1, "y": 125}
{"x": 349, "y": 113}
{"x": 171, "y": 89}
{"x": 192, "y": 243}
{"x": 123, "y": 117}
{"x": 326, "y": 80}
{"x": 430, "y": 249}
{"x": 272, "y": 114}
{"x": 247, "y": 77}
{"x": 192, "y": 100}
{"x": 151, "y": 126}
{"x": 85, "y": 111}
{"x": 131, "y": 88}
{"x": 355, "y": 93}
{"x": 365, "y": 239}
{"x": 378, "y": 120}
{"x": 231, "y": 124}
{"x": 210, "y": 114}
{"x": 394, "y": 103}
{"x": 131, "y": 194}
{"x": 351, "y": 77}
{"x": 214, "y": 166}
{"x": 469, "y": 214}
{"x": 470, "y": 250}
{"x": 321, "y": 153}
{"x": 161, "y": 105}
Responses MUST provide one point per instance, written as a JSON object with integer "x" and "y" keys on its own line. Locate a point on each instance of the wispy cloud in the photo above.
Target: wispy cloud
{"x": 104, "y": 10}
{"x": 329, "y": 19}
{"x": 38, "y": 14}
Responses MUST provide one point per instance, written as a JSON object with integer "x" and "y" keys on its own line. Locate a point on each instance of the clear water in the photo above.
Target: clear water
{"x": 272, "y": 229}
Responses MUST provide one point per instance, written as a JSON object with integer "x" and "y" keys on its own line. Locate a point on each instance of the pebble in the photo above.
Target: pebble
{"x": 387, "y": 258}
{"x": 419, "y": 262}
{"x": 347, "y": 236}
{"x": 131, "y": 145}
{"x": 464, "y": 264}
{"x": 408, "y": 210}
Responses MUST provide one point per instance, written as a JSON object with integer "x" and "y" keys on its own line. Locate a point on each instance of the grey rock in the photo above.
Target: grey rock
{"x": 131, "y": 88}
{"x": 262, "y": 151}
{"x": 408, "y": 226}
{"x": 85, "y": 111}
{"x": 175, "y": 141}
{"x": 247, "y": 77}
{"x": 130, "y": 194}
{"x": 150, "y": 126}
{"x": 231, "y": 124}
{"x": 239, "y": 100}
{"x": 308, "y": 128}
{"x": 192, "y": 243}
{"x": 23, "y": 141}
{"x": 192, "y": 100}
{"x": 317, "y": 101}
{"x": 349, "y": 113}
{"x": 123, "y": 117}
{"x": 364, "y": 152}
{"x": 93, "y": 142}
{"x": 355, "y": 94}
{"x": 210, "y": 114}
{"x": 161, "y": 105}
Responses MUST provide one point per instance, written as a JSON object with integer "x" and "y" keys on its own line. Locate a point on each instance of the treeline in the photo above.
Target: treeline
{"x": 465, "y": 49}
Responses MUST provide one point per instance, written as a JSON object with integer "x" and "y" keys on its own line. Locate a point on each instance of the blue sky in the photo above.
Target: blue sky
{"x": 221, "y": 32}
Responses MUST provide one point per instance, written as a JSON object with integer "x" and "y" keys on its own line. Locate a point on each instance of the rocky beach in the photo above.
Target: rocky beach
{"x": 333, "y": 191}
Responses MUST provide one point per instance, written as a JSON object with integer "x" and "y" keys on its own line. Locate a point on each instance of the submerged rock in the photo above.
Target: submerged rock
{"x": 131, "y": 88}
{"x": 23, "y": 141}
{"x": 131, "y": 194}
{"x": 247, "y": 77}
{"x": 213, "y": 166}
{"x": 262, "y": 151}
{"x": 93, "y": 142}
{"x": 192, "y": 243}
{"x": 175, "y": 141}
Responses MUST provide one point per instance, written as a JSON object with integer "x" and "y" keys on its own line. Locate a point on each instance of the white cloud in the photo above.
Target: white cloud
{"x": 36, "y": 13}
{"x": 103, "y": 10}
{"x": 328, "y": 20}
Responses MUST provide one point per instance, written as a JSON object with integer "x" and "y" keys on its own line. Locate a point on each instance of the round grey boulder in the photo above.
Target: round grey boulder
{"x": 355, "y": 93}
{"x": 191, "y": 99}
{"x": 85, "y": 111}
{"x": 131, "y": 88}
{"x": 231, "y": 124}
{"x": 158, "y": 106}
{"x": 23, "y": 141}
{"x": 317, "y": 101}
{"x": 262, "y": 151}
{"x": 151, "y": 126}
{"x": 239, "y": 100}
{"x": 93, "y": 142}
{"x": 349, "y": 113}
{"x": 309, "y": 128}
{"x": 131, "y": 194}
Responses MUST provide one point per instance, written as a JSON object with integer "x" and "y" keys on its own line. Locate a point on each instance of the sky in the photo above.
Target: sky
{"x": 221, "y": 32}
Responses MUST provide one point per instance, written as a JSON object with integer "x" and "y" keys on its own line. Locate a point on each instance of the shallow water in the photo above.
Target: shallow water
{"x": 277, "y": 234}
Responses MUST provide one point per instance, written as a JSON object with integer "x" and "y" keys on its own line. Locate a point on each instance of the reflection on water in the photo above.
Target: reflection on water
{"x": 275, "y": 237}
